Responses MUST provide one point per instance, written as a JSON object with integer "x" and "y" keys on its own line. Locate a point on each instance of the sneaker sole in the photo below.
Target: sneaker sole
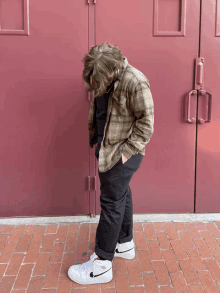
{"x": 129, "y": 254}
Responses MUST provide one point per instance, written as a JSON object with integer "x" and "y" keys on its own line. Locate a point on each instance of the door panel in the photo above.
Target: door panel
{"x": 44, "y": 111}
{"x": 208, "y": 152}
{"x": 165, "y": 181}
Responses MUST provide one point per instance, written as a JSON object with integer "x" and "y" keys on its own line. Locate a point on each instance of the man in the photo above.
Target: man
{"x": 121, "y": 123}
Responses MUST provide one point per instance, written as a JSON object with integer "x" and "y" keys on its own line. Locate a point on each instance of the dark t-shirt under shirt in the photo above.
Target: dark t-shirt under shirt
{"x": 101, "y": 106}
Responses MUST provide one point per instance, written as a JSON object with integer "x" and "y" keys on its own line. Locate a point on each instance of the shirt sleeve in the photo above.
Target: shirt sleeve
{"x": 142, "y": 105}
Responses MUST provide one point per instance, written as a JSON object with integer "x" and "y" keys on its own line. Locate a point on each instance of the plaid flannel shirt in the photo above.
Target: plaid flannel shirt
{"x": 130, "y": 119}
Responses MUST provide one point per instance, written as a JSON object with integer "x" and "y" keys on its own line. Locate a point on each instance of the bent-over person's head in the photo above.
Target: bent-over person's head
{"x": 103, "y": 64}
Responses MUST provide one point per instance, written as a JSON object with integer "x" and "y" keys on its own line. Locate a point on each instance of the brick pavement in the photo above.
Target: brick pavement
{"x": 171, "y": 257}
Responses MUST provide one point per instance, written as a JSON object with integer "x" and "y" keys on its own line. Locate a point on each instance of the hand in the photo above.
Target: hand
{"x": 124, "y": 159}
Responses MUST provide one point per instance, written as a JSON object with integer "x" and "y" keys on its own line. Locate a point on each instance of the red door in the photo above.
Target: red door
{"x": 44, "y": 152}
{"x": 180, "y": 171}
{"x": 208, "y": 134}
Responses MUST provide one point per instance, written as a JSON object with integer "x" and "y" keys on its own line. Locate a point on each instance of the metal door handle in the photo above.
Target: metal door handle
{"x": 208, "y": 107}
{"x": 192, "y": 120}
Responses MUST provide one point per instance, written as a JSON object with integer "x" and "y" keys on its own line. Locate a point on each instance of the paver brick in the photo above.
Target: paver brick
{"x": 163, "y": 240}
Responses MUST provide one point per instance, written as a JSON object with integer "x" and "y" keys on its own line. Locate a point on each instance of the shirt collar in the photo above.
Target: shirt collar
{"x": 125, "y": 66}
{"x": 122, "y": 74}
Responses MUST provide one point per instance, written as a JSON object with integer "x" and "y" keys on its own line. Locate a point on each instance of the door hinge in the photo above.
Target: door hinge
{"x": 94, "y": 183}
{"x": 199, "y": 73}
{"x": 89, "y": 183}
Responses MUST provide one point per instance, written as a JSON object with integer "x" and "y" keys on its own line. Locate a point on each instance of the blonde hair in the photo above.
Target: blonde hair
{"x": 103, "y": 64}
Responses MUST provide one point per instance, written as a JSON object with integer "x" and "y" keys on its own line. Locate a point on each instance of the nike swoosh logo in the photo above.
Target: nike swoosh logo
{"x": 123, "y": 251}
{"x": 93, "y": 276}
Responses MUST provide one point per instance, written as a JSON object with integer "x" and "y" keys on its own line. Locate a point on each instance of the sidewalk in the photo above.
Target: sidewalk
{"x": 170, "y": 257}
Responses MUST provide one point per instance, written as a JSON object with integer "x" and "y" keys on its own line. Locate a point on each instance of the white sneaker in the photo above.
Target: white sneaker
{"x": 91, "y": 272}
{"x": 125, "y": 250}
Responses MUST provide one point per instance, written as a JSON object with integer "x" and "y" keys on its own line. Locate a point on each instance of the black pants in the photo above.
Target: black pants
{"x": 116, "y": 218}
